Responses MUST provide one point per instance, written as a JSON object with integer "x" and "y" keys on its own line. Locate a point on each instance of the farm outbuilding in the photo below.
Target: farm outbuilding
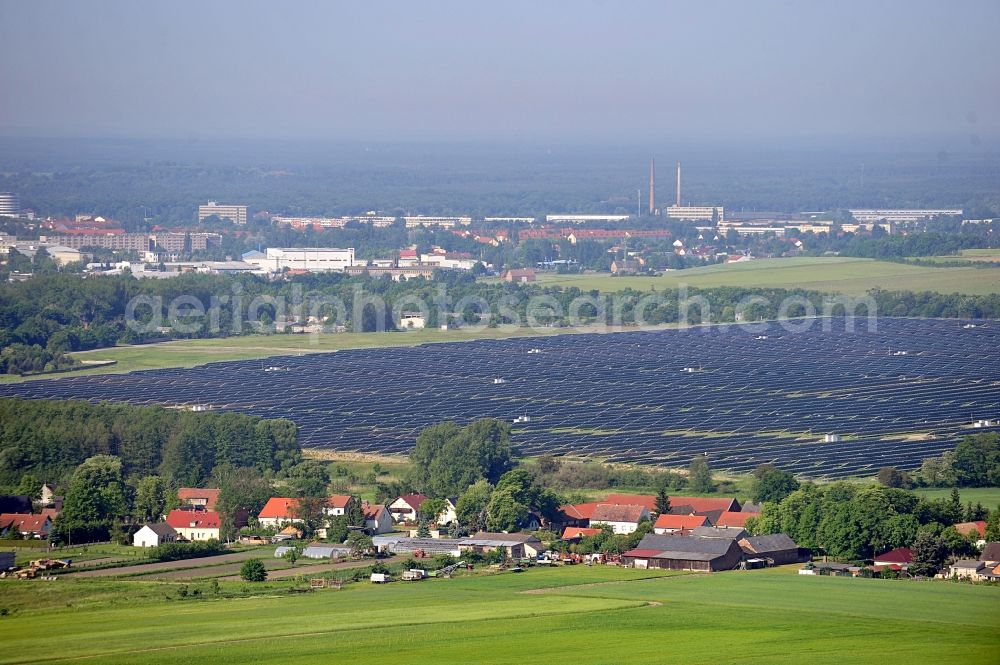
{"x": 685, "y": 553}
{"x": 777, "y": 547}
{"x": 154, "y": 535}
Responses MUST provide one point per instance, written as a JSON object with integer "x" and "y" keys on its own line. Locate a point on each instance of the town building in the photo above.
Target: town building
{"x": 581, "y": 219}
{"x": 237, "y": 214}
{"x": 416, "y": 221}
{"x": 901, "y": 216}
{"x": 715, "y": 214}
{"x": 10, "y": 204}
{"x": 396, "y": 274}
{"x": 311, "y": 259}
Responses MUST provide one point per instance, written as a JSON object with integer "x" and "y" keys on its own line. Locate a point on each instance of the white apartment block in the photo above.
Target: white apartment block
{"x": 696, "y": 213}
{"x": 897, "y": 216}
{"x": 236, "y": 213}
{"x": 579, "y": 219}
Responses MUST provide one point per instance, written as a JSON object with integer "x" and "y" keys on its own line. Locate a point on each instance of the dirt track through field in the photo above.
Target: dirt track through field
{"x": 171, "y": 565}
{"x": 316, "y": 569}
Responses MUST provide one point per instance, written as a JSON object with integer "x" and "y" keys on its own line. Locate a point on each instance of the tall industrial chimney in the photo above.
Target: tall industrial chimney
{"x": 652, "y": 186}
{"x": 678, "y": 184}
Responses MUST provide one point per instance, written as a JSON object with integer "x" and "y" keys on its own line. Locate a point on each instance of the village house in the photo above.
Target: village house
{"x": 195, "y": 524}
{"x": 976, "y": 530}
{"x": 991, "y": 552}
{"x": 901, "y": 556}
{"x": 970, "y": 569}
{"x": 575, "y": 515}
{"x": 378, "y": 519}
{"x": 282, "y": 510}
{"x": 205, "y": 499}
{"x": 25, "y": 525}
{"x": 407, "y": 507}
{"x": 621, "y": 519}
{"x": 154, "y": 535}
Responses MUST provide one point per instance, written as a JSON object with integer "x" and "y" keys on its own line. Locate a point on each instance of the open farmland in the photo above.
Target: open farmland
{"x": 851, "y": 276}
{"x": 600, "y": 614}
{"x": 894, "y": 396}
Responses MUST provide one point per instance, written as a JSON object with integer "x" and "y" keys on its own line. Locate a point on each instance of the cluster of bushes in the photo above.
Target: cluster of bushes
{"x": 975, "y": 462}
{"x": 180, "y": 551}
{"x": 23, "y": 359}
{"x": 855, "y": 522}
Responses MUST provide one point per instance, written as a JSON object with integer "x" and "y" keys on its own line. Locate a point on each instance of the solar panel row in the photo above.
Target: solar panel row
{"x": 893, "y": 396}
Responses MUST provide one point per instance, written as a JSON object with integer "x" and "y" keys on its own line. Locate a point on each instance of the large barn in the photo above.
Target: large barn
{"x": 685, "y": 553}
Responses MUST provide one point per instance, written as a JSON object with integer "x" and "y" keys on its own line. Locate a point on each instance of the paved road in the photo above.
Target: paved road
{"x": 173, "y": 565}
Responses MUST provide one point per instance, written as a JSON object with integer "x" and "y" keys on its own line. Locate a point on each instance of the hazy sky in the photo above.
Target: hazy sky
{"x": 532, "y": 70}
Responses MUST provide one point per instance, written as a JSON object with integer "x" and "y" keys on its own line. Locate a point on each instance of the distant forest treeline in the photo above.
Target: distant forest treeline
{"x": 48, "y": 439}
{"x": 59, "y": 313}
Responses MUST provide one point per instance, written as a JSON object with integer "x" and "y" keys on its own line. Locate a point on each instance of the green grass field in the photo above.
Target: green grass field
{"x": 988, "y": 496}
{"x": 188, "y": 353}
{"x": 565, "y": 615}
{"x": 830, "y": 274}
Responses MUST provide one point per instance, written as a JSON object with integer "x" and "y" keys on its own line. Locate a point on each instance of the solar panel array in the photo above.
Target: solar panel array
{"x": 894, "y": 396}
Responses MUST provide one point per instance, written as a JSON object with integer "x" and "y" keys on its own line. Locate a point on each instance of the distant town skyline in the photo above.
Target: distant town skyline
{"x": 510, "y": 71}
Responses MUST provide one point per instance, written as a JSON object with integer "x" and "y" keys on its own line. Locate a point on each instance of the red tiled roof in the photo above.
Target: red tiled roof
{"x": 606, "y": 512}
{"x": 581, "y": 511}
{"x": 966, "y": 528}
{"x": 701, "y": 504}
{"x": 188, "y": 519}
{"x": 278, "y": 507}
{"x": 730, "y": 518}
{"x": 339, "y": 501}
{"x": 26, "y": 522}
{"x": 898, "y": 555}
{"x": 283, "y": 507}
{"x": 647, "y": 500}
{"x": 211, "y": 496}
{"x": 372, "y": 512}
{"x": 639, "y": 553}
{"x": 572, "y": 532}
{"x": 413, "y": 500}
{"x": 677, "y": 522}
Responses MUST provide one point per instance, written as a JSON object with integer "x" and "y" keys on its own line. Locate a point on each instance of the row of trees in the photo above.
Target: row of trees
{"x": 46, "y": 440}
{"x": 975, "y": 462}
{"x": 857, "y": 522}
